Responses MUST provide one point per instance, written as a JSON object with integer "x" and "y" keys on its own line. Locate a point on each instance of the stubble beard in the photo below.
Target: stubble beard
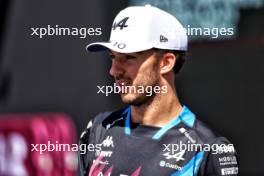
{"x": 139, "y": 99}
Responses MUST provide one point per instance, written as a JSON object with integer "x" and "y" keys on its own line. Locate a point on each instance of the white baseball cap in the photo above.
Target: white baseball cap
{"x": 139, "y": 28}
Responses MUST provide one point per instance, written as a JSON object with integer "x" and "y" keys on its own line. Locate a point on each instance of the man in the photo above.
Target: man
{"x": 155, "y": 135}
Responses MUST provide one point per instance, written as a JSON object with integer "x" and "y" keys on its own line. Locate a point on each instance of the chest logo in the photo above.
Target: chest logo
{"x": 108, "y": 142}
{"x": 107, "y": 147}
{"x": 177, "y": 156}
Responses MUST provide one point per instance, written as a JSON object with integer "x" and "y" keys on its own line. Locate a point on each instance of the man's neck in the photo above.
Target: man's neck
{"x": 159, "y": 112}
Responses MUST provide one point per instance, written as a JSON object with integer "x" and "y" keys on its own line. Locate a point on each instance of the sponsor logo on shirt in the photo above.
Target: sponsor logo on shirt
{"x": 172, "y": 159}
{"x": 229, "y": 171}
{"x": 227, "y": 160}
{"x": 107, "y": 146}
{"x": 177, "y": 156}
{"x": 186, "y": 134}
{"x": 225, "y": 149}
{"x": 108, "y": 142}
{"x": 169, "y": 165}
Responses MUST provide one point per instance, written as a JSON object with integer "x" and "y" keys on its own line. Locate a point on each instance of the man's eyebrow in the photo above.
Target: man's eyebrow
{"x": 110, "y": 53}
{"x": 140, "y": 52}
{"x": 146, "y": 51}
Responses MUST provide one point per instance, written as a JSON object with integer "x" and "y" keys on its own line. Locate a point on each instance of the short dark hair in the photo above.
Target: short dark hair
{"x": 180, "y": 58}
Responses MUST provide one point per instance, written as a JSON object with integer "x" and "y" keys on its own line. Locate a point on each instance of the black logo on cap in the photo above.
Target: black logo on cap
{"x": 163, "y": 39}
{"x": 120, "y": 24}
{"x": 120, "y": 45}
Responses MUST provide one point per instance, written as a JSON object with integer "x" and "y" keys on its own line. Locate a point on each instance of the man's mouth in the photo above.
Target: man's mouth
{"x": 122, "y": 82}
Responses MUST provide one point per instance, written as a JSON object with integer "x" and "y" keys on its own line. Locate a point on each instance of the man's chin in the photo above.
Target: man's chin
{"x": 127, "y": 98}
{"x": 132, "y": 99}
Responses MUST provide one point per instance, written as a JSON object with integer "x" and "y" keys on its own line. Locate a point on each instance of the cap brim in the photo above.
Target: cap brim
{"x": 122, "y": 48}
{"x": 98, "y": 46}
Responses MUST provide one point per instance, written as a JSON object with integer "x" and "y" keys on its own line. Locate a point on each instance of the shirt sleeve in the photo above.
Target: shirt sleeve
{"x": 221, "y": 160}
{"x": 83, "y": 155}
{"x": 89, "y": 142}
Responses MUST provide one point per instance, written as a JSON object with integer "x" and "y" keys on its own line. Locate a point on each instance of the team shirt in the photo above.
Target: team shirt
{"x": 183, "y": 147}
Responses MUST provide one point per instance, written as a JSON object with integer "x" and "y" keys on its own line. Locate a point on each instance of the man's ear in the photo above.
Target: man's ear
{"x": 167, "y": 63}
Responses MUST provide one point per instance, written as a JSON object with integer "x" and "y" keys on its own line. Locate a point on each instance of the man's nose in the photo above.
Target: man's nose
{"x": 117, "y": 68}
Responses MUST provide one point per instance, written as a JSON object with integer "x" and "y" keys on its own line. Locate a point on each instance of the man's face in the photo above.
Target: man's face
{"x": 135, "y": 70}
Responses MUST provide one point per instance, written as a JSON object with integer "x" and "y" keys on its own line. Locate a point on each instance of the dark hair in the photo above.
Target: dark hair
{"x": 180, "y": 58}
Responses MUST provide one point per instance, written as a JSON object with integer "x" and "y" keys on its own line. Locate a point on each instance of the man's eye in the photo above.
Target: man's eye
{"x": 111, "y": 56}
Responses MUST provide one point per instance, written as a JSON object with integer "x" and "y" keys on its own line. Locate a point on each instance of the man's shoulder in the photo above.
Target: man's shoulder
{"x": 107, "y": 117}
{"x": 208, "y": 134}
{"x": 100, "y": 123}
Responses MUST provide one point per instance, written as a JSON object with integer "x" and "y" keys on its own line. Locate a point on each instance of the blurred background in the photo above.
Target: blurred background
{"x": 222, "y": 81}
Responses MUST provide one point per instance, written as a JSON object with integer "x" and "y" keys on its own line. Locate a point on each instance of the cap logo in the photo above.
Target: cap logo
{"x": 163, "y": 39}
{"x": 120, "y": 45}
{"x": 121, "y": 24}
